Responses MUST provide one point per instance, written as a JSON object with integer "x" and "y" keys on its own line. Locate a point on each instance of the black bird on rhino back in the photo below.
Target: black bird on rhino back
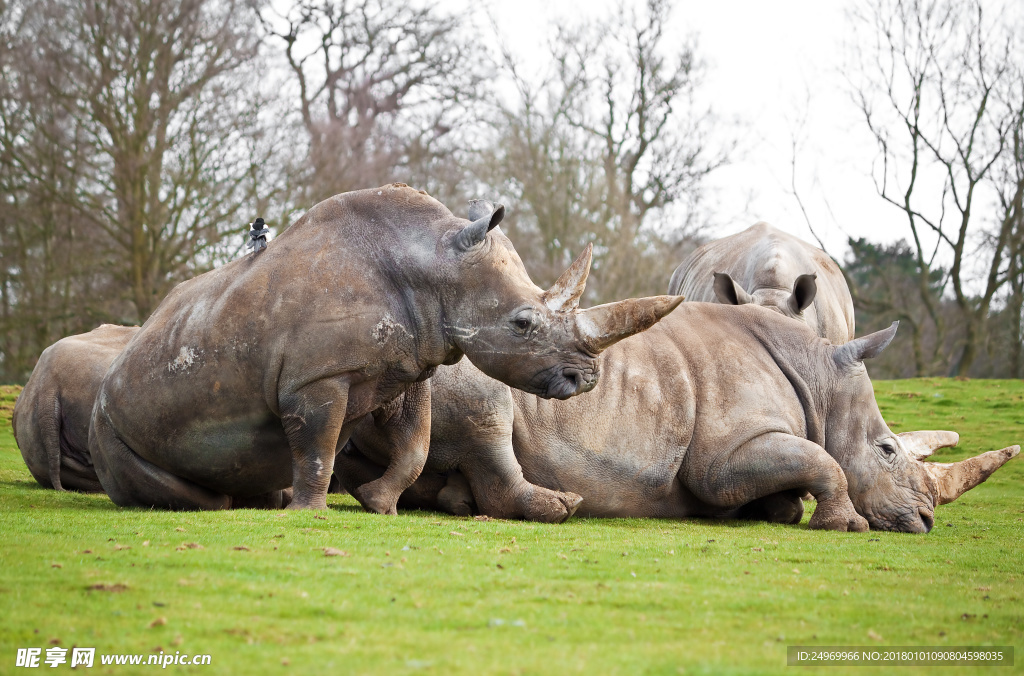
{"x": 246, "y": 379}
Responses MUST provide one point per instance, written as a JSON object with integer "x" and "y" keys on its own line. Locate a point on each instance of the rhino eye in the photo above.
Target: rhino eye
{"x": 888, "y": 448}
{"x": 523, "y": 323}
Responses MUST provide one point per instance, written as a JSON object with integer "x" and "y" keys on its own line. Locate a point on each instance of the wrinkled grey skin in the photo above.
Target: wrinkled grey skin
{"x": 738, "y": 419}
{"x": 246, "y": 379}
{"x": 767, "y": 267}
{"x": 51, "y": 416}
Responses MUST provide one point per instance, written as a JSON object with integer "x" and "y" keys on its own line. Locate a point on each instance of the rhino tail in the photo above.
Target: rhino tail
{"x": 50, "y": 431}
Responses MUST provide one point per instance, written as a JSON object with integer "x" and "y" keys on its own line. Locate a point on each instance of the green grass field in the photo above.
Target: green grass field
{"x": 429, "y": 593}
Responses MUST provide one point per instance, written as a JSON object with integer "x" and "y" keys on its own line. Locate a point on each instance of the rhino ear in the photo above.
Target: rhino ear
{"x": 475, "y": 232}
{"x": 865, "y": 347}
{"x": 728, "y": 292}
{"x": 479, "y": 208}
{"x": 804, "y": 289}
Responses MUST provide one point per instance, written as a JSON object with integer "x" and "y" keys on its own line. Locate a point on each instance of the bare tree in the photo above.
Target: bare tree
{"x": 934, "y": 80}
{"x": 47, "y": 282}
{"x": 1011, "y": 209}
{"x": 159, "y": 89}
{"x": 381, "y": 88}
{"x": 884, "y": 281}
{"x": 601, "y": 149}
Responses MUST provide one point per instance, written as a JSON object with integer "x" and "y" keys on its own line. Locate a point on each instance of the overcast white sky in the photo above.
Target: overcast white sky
{"x": 770, "y": 64}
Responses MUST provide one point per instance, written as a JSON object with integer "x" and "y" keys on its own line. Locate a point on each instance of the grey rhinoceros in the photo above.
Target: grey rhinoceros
{"x": 246, "y": 379}
{"x": 765, "y": 266}
{"x": 51, "y": 416}
{"x": 737, "y": 419}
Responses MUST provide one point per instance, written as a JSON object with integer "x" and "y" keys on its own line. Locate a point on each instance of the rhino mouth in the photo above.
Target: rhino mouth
{"x": 563, "y": 382}
{"x": 920, "y": 520}
{"x": 573, "y": 381}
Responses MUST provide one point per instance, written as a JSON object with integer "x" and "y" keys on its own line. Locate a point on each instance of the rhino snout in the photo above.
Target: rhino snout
{"x": 920, "y": 520}
{"x": 570, "y": 381}
{"x": 582, "y": 382}
{"x": 927, "y": 519}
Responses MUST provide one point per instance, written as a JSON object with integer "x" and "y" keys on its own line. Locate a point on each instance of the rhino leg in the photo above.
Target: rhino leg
{"x": 132, "y": 481}
{"x": 271, "y": 500}
{"x": 501, "y": 491}
{"x": 403, "y": 428}
{"x": 313, "y": 418}
{"x": 456, "y": 497}
{"x": 774, "y": 463}
{"x": 335, "y": 485}
{"x": 483, "y": 453}
{"x": 786, "y": 507}
{"x": 353, "y": 469}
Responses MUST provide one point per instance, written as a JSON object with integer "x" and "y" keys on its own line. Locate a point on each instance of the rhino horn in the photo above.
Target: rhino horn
{"x": 728, "y": 292}
{"x": 475, "y": 232}
{"x": 865, "y": 347}
{"x": 923, "y": 443}
{"x": 805, "y": 288}
{"x": 602, "y": 326}
{"x": 956, "y": 478}
{"x": 566, "y": 292}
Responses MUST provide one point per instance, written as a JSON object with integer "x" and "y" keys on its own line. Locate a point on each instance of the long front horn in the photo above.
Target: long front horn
{"x": 923, "y": 443}
{"x": 956, "y": 478}
{"x": 602, "y": 326}
{"x": 568, "y": 288}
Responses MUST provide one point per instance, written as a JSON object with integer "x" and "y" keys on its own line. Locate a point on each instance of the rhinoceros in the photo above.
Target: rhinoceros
{"x": 737, "y": 419}
{"x": 246, "y": 379}
{"x": 768, "y": 267}
{"x": 51, "y": 416}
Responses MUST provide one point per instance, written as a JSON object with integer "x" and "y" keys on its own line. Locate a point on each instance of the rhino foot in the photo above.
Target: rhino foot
{"x": 775, "y": 508}
{"x": 547, "y": 506}
{"x": 838, "y": 514}
{"x": 457, "y": 497}
{"x": 320, "y": 504}
{"x": 271, "y": 500}
{"x": 375, "y": 500}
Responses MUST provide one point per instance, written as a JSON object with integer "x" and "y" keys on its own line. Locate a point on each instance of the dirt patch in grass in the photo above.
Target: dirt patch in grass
{"x": 113, "y": 588}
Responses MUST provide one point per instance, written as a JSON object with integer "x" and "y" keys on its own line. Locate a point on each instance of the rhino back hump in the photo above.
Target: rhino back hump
{"x": 764, "y": 259}
{"x": 202, "y": 380}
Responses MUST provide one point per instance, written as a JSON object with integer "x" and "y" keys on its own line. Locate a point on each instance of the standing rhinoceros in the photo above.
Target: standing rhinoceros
{"x": 245, "y": 380}
{"x": 768, "y": 267}
{"x": 736, "y": 419}
{"x": 51, "y": 416}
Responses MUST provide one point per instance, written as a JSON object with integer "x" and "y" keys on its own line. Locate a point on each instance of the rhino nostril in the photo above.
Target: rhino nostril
{"x": 927, "y": 520}
{"x": 574, "y": 375}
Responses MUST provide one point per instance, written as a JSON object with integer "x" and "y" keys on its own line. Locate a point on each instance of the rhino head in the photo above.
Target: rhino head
{"x": 889, "y": 483}
{"x": 534, "y": 340}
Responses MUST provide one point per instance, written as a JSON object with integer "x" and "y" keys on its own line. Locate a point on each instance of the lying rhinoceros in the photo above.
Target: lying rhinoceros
{"x": 739, "y": 418}
{"x": 245, "y": 380}
{"x": 51, "y": 416}
{"x": 768, "y": 267}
